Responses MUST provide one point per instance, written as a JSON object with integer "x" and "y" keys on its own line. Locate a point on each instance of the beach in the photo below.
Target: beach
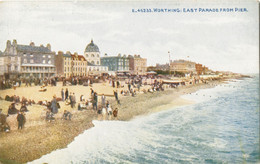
{"x": 40, "y": 137}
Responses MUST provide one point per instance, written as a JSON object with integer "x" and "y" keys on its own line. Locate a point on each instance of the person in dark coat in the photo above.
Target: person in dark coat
{"x": 95, "y": 101}
{"x": 12, "y": 109}
{"x": 70, "y": 98}
{"x": 117, "y": 84}
{"x": 54, "y": 107}
{"x": 66, "y": 94}
{"x": 116, "y": 97}
{"x": 21, "y": 120}
{"x": 62, "y": 94}
{"x": 129, "y": 86}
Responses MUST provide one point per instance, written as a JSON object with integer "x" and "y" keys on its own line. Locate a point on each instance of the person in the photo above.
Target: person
{"x": 82, "y": 98}
{"x": 4, "y": 127}
{"x": 91, "y": 91}
{"x": 113, "y": 83}
{"x": 104, "y": 112}
{"x": 95, "y": 101}
{"x": 54, "y": 107}
{"x": 115, "y": 112}
{"x": 66, "y": 115}
{"x": 66, "y": 94}
{"x": 116, "y": 97}
{"x": 117, "y": 84}
{"x": 73, "y": 98}
{"x": 129, "y": 86}
{"x": 49, "y": 115}
{"x": 70, "y": 98}
{"x": 24, "y": 108}
{"x": 109, "y": 110}
{"x": 79, "y": 107}
{"x": 21, "y": 120}
{"x": 107, "y": 104}
{"x": 12, "y": 109}
{"x": 62, "y": 94}
{"x": 103, "y": 100}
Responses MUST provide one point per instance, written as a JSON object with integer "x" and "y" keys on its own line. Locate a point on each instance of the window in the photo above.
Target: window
{"x": 97, "y": 55}
{"x": 49, "y": 62}
{"x": 86, "y": 55}
{"x": 24, "y": 55}
{"x": 43, "y": 56}
{"x": 49, "y": 56}
{"x": 25, "y": 61}
{"x": 65, "y": 69}
{"x": 31, "y": 61}
{"x": 31, "y": 56}
{"x": 92, "y": 55}
{"x": 97, "y": 62}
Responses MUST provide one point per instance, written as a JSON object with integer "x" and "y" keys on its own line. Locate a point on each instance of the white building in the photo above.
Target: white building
{"x": 92, "y": 54}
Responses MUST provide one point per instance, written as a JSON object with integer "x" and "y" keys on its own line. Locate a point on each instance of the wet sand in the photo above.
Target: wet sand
{"x": 40, "y": 137}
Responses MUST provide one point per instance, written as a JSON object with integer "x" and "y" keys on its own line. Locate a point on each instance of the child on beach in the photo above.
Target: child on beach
{"x": 109, "y": 110}
{"x": 66, "y": 115}
{"x": 115, "y": 112}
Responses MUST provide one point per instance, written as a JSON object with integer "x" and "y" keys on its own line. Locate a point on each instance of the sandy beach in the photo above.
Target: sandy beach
{"x": 40, "y": 137}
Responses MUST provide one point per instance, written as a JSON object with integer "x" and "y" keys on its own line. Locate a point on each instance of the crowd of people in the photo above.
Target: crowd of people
{"x": 133, "y": 83}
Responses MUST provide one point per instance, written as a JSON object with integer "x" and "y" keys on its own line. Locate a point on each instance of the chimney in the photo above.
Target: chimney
{"x": 14, "y": 43}
{"x": 49, "y": 46}
{"x": 8, "y": 44}
{"x": 32, "y": 44}
{"x": 60, "y": 53}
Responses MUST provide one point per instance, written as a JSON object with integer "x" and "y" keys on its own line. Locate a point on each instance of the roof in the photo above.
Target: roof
{"x": 91, "y": 47}
{"x": 26, "y": 48}
{"x": 67, "y": 55}
{"x": 80, "y": 57}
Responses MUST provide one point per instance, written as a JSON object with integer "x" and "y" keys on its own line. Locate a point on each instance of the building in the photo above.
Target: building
{"x": 116, "y": 63}
{"x": 183, "y": 66}
{"x": 78, "y": 65}
{"x": 10, "y": 61}
{"x": 137, "y": 65}
{"x": 93, "y": 69}
{"x": 92, "y": 54}
{"x": 63, "y": 64}
{"x": 199, "y": 69}
{"x": 2, "y": 66}
{"x": 29, "y": 60}
{"x": 162, "y": 67}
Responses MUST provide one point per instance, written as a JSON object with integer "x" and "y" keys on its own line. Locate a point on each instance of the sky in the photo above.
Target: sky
{"x": 224, "y": 41}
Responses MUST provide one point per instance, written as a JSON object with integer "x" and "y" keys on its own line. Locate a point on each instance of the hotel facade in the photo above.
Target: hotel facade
{"x": 27, "y": 60}
{"x": 116, "y": 63}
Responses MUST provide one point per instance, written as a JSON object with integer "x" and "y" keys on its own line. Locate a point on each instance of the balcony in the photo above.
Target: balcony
{"x": 38, "y": 71}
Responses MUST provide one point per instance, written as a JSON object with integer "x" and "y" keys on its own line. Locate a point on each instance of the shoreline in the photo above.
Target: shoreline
{"x": 36, "y": 141}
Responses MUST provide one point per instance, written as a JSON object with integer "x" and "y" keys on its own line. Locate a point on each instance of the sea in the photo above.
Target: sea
{"x": 221, "y": 127}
